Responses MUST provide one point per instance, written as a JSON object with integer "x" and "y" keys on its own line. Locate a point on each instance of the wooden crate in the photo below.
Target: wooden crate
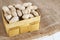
{"x": 23, "y": 26}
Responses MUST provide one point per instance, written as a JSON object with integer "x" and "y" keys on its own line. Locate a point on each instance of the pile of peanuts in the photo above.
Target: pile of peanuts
{"x": 17, "y": 12}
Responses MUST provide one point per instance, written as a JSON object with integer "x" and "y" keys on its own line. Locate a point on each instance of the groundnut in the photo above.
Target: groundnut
{"x": 30, "y": 15}
{"x": 13, "y": 10}
{"x": 33, "y": 7}
{"x": 8, "y": 17}
{"x": 19, "y": 13}
{"x": 35, "y": 13}
{"x": 14, "y": 14}
{"x": 27, "y": 4}
{"x": 6, "y": 10}
{"x": 27, "y": 16}
{"x": 14, "y": 19}
{"x": 26, "y": 11}
{"x": 20, "y": 7}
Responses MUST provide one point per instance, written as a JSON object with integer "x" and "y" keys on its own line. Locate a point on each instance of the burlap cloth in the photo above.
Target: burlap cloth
{"x": 50, "y": 19}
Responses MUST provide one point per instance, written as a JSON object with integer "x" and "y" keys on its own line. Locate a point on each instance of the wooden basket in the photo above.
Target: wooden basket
{"x": 23, "y": 26}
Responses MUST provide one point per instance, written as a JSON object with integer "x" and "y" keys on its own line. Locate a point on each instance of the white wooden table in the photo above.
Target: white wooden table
{"x": 55, "y": 36}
